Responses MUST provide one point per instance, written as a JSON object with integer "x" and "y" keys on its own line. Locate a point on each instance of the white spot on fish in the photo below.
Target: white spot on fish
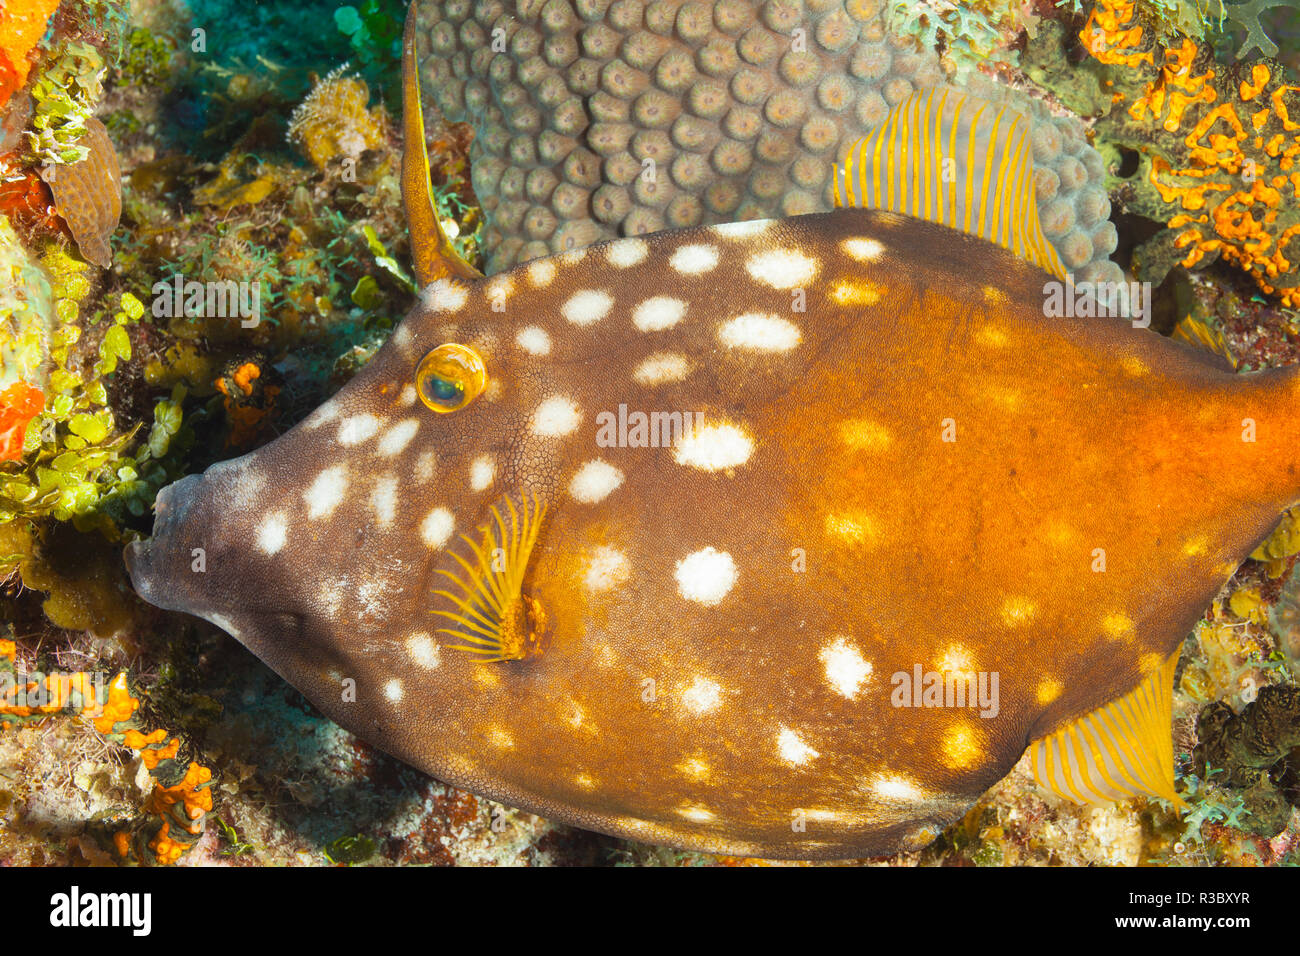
{"x": 846, "y": 669}
{"x": 425, "y": 464}
{"x": 393, "y": 690}
{"x": 662, "y": 367}
{"x": 372, "y": 603}
{"x": 826, "y": 815}
{"x": 273, "y": 533}
{"x": 743, "y": 230}
{"x": 383, "y": 500}
{"x": 896, "y": 787}
{"x": 555, "y": 417}
{"x": 792, "y": 749}
{"x": 541, "y": 272}
{"x": 423, "y": 649}
{"x": 782, "y": 268}
{"x": 607, "y": 569}
{"x": 702, "y": 696}
{"x": 576, "y": 714}
{"x": 402, "y": 337}
{"x": 696, "y": 813}
{"x": 694, "y": 768}
{"x": 326, "y": 492}
{"x": 627, "y": 252}
{"x": 864, "y": 250}
{"x": 594, "y": 481}
{"x": 572, "y": 257}
{"x": 534, "y": 340}
{"x": 444, "y": 295}
{"x": 357, "y": 429}
{"x": 481, "y": 471}
{"x": 760, "y": 333}
{"x": 436, "y": 527}
{"x": 331, "y": 410}
{"x": 395, "y": 440}
{"x": 330, "y": 596}
{"x": 498, "y": 288}
{"x": 658, "y": 313}
{"x": 706, "y": 576}
{"x": 246, "y": 485}
{"x": 695, "y": 259}
{"x": 711, "y": 447}
{"x": 587, "y": 306}
{"x": 407, "y": 398}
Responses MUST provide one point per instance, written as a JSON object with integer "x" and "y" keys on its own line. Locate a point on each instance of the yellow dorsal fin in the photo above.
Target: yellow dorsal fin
{"x": 954, "y": 159}
{"x": 432, "y": 254}
{"x": 1121, "y": 750}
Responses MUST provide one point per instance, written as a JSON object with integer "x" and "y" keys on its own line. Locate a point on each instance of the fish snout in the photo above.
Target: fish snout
{"x": 153, "y": 562}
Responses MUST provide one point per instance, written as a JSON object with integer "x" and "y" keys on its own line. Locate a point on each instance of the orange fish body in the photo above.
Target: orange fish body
{"x": 919, "y": 474}
{"x": 778, "y": 538}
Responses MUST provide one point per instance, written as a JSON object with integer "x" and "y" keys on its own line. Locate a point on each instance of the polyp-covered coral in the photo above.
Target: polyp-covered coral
{"x": 598, "y": 120}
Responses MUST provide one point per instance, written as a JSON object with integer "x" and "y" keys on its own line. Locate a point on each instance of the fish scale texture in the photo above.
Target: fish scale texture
{"x": 596, "y": 119}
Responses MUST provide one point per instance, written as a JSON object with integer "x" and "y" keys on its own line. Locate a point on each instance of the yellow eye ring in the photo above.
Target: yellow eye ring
{"x": 450, "y": 377}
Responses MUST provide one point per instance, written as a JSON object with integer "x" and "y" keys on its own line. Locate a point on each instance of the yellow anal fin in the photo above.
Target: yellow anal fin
{"x": 432, "y": 254}
{"x": 1121, "y": 750}
{"x": 957, "y": 160}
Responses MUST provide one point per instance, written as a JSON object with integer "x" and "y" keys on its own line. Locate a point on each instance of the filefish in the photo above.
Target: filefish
{"x": 783, "y": 538}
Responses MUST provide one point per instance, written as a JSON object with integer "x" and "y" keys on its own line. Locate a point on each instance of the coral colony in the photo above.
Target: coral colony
{"x": 696, "y": 355}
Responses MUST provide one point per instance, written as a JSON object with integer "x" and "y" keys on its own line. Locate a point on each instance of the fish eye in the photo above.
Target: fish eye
{"x": 450, "y": 377}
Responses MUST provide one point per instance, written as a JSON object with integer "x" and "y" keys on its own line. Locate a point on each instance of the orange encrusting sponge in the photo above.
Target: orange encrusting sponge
{"x": 22, "y": 24}
{"x": 175, "y": 811}
{"x": 1241, "y": 178}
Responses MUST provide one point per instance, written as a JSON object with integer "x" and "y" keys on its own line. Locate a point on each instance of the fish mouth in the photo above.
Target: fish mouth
{"x": 143, "y": 558}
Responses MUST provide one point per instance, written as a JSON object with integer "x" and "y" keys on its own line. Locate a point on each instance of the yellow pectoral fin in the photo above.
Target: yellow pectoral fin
{"x": 1121, "y": 750}
{"x": 432, "y": 254}
{"x": 489, "y": 611}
